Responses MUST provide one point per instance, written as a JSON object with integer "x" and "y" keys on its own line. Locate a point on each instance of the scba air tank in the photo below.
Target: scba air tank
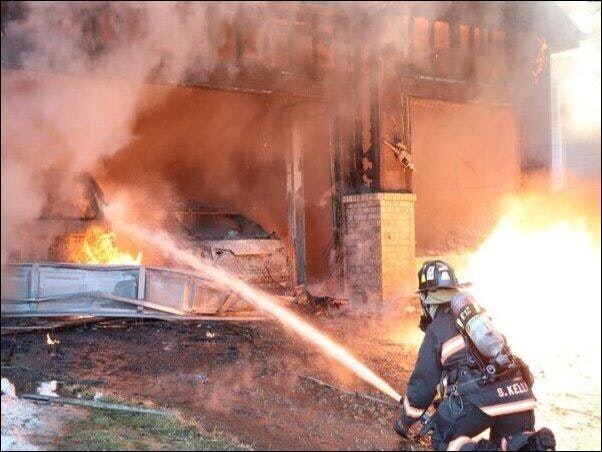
{"x": 479, "y": 328}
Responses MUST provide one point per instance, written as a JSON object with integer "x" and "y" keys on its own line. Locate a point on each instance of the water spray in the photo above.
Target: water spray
{"x": 260, "y": 299}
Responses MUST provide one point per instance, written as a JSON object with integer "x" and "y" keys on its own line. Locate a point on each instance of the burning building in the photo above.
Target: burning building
{"x": 352, "y": 137}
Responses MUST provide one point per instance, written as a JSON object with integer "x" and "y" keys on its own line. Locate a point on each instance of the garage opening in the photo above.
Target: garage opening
{"x": 227, "y": 152}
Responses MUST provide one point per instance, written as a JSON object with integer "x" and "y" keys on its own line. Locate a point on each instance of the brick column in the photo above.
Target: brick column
{"x": 379, "y": 245}
{"x": 363, "y": 277}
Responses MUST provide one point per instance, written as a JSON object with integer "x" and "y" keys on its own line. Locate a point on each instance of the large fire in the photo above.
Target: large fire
{"x": 538, "y": 275}
{"x": 98, "y": 247}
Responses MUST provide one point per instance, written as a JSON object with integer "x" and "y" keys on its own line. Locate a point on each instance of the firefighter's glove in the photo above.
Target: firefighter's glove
{"x": 403, "y": 424}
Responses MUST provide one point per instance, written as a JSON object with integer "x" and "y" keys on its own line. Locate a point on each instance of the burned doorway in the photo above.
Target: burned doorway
{"x": 466, "y": 159}
{"x": 231, "y": 152}
{"x": 219, "y": 149}
{"x": 312, "y": 126}
{"x": 221, "y": 154}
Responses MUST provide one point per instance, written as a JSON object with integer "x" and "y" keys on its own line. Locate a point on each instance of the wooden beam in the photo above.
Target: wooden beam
{"x": 49, "y": 326}
{"x": 295, "y": 197}
{"x": 375, "y": 142}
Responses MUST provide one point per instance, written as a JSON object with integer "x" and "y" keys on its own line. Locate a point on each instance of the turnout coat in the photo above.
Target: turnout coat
{"x": 443, "y": 362}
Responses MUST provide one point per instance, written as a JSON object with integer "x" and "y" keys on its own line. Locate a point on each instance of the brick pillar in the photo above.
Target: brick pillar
{"x": 379, "y": 245}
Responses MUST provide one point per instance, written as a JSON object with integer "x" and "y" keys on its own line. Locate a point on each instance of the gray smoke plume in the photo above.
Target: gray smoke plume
{"x": 69, "y": 100}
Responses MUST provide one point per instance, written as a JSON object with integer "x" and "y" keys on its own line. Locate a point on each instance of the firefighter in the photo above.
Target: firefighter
{"x": 471, "y": 399}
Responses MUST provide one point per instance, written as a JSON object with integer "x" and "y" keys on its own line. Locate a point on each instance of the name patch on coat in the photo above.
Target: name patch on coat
{"x": 513, "y": 389}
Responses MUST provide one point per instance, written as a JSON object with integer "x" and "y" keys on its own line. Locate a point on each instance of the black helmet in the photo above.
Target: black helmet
{"x": 436, "y": 275}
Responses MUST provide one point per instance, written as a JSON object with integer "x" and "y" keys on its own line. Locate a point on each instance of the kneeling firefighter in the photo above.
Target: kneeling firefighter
{"x": 481, "y": 384}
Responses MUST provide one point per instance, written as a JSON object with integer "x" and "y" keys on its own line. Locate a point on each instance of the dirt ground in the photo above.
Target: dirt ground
{"x": 245, "y": 381}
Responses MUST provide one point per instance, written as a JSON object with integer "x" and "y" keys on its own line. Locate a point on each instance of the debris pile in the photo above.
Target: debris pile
{"x": 316, "y": 304}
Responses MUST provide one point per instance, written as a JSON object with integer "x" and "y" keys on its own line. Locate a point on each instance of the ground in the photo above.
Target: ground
{"x": 33, "y": 426}
{"x": 243, "y": 382}
{"x": 111, "y": 430}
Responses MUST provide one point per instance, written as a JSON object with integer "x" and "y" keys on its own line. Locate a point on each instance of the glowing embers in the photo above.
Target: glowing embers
{"x": 97, "y": 246}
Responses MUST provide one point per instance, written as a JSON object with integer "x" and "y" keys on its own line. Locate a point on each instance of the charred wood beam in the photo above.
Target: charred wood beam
{"x": 357, "y": 148}
{"x": 375, "y": 142}
{"x": 295, "y": 199}
{"x": 337, "y": 181}
{"x": 366, "y": 146}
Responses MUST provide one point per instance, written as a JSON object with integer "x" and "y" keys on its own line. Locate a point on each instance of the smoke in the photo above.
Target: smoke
{"x": 78, "y": 95}
{"x": 104, "y": 115}
{"x": 64, "y": 124}
{"x": 576, "y": 96}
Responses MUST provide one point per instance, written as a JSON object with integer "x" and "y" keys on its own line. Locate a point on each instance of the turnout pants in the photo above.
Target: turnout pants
{"x": 456, "y": 421}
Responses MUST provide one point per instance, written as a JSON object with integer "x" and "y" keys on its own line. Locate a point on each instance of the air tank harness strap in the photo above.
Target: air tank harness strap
{"x": 454, "y": 389}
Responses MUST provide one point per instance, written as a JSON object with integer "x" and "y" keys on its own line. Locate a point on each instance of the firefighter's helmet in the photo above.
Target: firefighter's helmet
{"x": 436, "y": 275}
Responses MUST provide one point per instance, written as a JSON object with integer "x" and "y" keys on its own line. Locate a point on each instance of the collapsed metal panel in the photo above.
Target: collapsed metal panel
{"x": 53, "y": 281}
{"x": 51, "y": 289}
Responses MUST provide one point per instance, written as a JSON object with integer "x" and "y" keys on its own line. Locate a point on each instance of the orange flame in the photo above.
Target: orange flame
{"x": 538, "y": 275}
{"x": 540, "y": 266}
{"x": 51, "y": 341}
{"x": 98, "y": 247}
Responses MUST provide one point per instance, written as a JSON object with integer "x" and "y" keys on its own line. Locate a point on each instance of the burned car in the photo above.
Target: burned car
{"x": 239, "y": 245}
{"x": 72, "y": 229}
{"x": 228, "y": 240}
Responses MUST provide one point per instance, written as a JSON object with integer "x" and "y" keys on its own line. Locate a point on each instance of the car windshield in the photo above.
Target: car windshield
{"x": 220, "y": 226}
